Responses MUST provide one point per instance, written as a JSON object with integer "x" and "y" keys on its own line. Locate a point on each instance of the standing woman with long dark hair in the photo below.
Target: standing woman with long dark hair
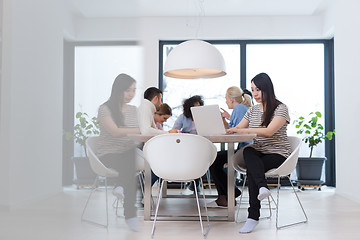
{"x": 268, "y": 120}
{"x": 117, "y": 119}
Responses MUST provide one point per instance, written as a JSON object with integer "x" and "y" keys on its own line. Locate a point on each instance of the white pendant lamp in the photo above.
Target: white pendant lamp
{"x": 195, "y": 59}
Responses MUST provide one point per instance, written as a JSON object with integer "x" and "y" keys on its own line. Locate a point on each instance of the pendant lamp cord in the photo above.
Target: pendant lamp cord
{"x": 201, "y": 15}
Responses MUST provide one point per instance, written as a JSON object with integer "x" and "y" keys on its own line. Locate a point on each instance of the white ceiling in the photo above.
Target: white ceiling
{"x": 174, "y": 8}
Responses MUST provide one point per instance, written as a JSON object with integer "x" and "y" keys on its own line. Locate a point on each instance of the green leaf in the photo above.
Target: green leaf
{"x": 313, "y": 129}
{"x": 83, "y": 128}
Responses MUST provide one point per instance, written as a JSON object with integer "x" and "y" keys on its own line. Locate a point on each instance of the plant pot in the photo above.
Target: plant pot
{"x": 309, "y": 170}
{"x": 84, "y": 175}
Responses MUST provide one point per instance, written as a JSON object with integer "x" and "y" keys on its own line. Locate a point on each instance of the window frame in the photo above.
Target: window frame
{"x": 329, "y": 99}
{"x": 69, "y": 98}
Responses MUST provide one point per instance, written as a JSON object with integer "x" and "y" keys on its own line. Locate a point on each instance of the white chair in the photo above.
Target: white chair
{"x": 284, "y": 170}
{"x": 140, "y": 168}
{"x": 102, "y": 173}
{"x": 180, "y": 158}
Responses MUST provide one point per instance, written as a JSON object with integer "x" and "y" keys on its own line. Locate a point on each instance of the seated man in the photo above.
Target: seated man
{"x": 149, "y": 105}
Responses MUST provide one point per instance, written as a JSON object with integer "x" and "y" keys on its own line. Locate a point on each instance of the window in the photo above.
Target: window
{"x": 301, "y": 70}
{"x": 298, "y": 79}
{"x": 213, "y": 90}
{"x": 89, "y": 72}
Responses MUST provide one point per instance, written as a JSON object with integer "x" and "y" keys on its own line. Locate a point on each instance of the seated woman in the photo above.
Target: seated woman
{"x": 239, "y": 102}
{"x": 117, "y": 119}
{"x": 162, "y": 115}
{"x": 268, "y": 120}
{"x": 185, "y": 121}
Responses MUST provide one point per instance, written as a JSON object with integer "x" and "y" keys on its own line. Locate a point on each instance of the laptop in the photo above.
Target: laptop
{"x": 208, "y": 120}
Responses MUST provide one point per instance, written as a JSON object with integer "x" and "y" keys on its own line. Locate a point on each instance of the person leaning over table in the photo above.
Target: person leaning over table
{"x": 240, "y": 103}
{"x": 115, "y": 150}
{"x": 162, "y": 115}
{"x": 149, "y": 105}
{"x": 268, "y": 120}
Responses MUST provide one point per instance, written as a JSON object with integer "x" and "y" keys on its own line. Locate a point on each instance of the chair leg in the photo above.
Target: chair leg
{"x": 241, "y": 196}
{"x": 95, "y": 187}
{"x": 141, "y": 181}
{"x": 157, "y": 208}
{"x": 106, "y": 203}
{"x": 198, "y": 205}
{"x": 208, "y": 180}
{"x": 277, "y": 207}
{"x": 142, "y": 184}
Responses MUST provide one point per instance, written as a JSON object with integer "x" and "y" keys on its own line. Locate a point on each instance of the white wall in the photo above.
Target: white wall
{"x": 347, "y": 102}
{"x": 106, "y": 29}
{"x": 31, "y": 86}
{"x": 31, "y": 101}
{"x": 154, "y": 29}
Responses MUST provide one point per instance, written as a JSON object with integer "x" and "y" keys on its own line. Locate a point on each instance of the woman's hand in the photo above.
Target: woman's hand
{"x": 236, "y": 130}
{"x": 174, "y": 130}
{"x": 225, "y": 114}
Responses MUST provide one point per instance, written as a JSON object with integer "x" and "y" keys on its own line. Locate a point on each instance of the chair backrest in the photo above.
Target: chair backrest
{"x": 289, "y": 164}
{"x": 238, "y": 160}
{"x": 96, "y": 165}
{"x": 179, "y": 157}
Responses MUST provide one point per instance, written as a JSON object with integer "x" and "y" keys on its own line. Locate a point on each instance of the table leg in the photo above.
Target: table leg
{"x": 231, "y": 181}
{"x": 147, "y": 192}
{"x": 164, "y": 190}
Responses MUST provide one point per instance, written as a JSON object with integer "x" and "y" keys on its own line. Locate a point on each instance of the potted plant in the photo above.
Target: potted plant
{"x": 309, "y": 169}
{"x": 84, "y": 128}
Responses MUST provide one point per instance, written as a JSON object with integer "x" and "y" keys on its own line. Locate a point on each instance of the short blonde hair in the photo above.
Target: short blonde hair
{"x": 239, "y": 96}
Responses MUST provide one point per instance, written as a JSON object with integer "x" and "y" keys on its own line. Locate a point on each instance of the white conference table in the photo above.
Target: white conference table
{"x": 230, "y": 139}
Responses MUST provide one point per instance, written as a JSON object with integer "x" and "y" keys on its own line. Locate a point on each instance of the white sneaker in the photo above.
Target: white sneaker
{"x": 133, "y": 224}
{"x": 118, "y": 192}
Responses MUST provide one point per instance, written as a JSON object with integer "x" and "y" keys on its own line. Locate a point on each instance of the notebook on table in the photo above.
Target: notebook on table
{"x": 208, "y": 120}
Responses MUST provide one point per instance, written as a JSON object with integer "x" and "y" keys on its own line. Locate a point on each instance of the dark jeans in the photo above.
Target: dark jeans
{"x": 220, "y": 176}
{"x": 257, "y": 164}
{"x": 124, "y": 164}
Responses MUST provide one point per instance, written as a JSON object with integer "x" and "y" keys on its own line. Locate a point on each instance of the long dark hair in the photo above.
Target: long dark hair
{"x": 263, "y": 82}
{"x": 190, "y": 102}
{"x": 121, "y": 84}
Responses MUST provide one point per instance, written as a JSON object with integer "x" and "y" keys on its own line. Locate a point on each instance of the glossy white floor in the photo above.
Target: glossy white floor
{"x": 330, "y": 217}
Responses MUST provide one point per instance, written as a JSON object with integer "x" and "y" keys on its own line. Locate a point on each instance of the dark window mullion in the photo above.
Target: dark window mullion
{"x": 330, "y": 175}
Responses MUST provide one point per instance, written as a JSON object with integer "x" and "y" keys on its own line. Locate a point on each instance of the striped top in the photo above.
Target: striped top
{"x": 109, "y": 144}
{"x": 278, "y": 143}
